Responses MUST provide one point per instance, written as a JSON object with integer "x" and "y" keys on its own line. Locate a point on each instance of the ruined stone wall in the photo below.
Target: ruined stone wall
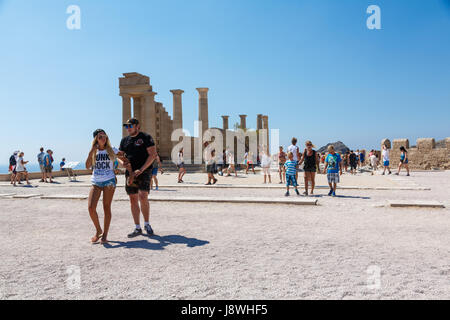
{"x": 424, "y": 155}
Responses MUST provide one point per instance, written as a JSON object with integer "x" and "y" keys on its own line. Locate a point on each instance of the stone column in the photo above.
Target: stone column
{"x": 243, "y": 121}
{"x": 126, "y": 111}
{"x": 265, "y": 124}
{"x": 148, "y": 123}
{"x": 137, "y": 108}
{"x": 203, "y": 108}
{"x": 225, "y": 122}
{"x": 259, "y": 121}
{"x": 177, "y": 109}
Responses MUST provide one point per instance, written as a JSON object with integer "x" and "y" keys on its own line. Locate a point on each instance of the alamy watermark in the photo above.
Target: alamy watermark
{"x": 374, "y": 277}
{"x": 73, "y": 22}
{"x": 374, "y": 20}
{"x": 237, "y": 142}
{"x": 73, "y": 281}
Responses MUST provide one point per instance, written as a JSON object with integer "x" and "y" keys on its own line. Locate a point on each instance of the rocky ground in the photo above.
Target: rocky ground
{"x": 349, "y": 247}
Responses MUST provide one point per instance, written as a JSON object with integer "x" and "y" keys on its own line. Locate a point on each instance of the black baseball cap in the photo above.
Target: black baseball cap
{"x": 96, "y": 132}
{"x": 132, "y": 121}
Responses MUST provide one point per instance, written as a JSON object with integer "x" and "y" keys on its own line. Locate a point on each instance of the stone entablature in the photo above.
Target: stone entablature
{"x": 424, "y": 155}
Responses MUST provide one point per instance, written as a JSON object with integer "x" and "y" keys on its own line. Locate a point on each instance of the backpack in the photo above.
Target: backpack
{"x": 12, "y": 161}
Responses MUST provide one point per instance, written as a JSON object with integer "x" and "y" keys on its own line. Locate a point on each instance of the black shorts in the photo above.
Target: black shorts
{"x": 353, "y": 165}
{"x": 309, "y": 169}
{"x": 140, "y": 183}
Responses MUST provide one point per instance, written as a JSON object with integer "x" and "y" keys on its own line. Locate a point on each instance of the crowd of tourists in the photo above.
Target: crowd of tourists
{"x": 137, "y": 154}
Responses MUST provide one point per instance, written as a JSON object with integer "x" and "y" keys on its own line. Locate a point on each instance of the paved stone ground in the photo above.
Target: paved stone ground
{"x": 334, "y": 250}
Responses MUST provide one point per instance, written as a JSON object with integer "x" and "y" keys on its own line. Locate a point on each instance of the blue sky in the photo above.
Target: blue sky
{"x": 312, "y": 66}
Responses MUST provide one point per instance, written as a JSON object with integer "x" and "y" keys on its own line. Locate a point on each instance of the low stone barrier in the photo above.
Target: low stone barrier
{"x": 37, "y": 175}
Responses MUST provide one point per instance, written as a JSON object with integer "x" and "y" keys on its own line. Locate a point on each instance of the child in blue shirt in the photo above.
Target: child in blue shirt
{"x": 291, "y": 171}
{"x": 333, "y": 167}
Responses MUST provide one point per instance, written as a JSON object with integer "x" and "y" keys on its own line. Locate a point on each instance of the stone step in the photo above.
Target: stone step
{"x": 26, "y": 196}
{"x": 292, "y": 200}
{"x": 66, "y": 197}
{"x": 416, "y": 203}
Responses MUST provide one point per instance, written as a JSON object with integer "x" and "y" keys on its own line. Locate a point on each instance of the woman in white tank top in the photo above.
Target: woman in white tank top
{"x": 101, "y": 161}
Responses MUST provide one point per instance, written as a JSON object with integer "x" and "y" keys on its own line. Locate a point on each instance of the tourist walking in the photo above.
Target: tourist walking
{"x": 358, "y": 164}
{"x": 12, "y": 167}
{"x": 291, "y": 171}
{"x": 311, "y": 164}
{"x": 103, "y": 180}
{"x": 248, "y": 158}
{"x": 333, "y": 168}
{"x": 210, "y": 160}
{"x": 156, "y": 165}
{"x": 21, "y": 171}
{"x": 294, "y": 149}
{"x": 346, "y": 161}
{"x": 403, "y": 161}
{"x": 40, "y": 159}
{"x": 353, "y": 160}
{"x": 385, "y": 156}
{"x": 48, "y": 167}
{"x": 180, "y": 166}
{"x": 373, "y": 162}
{"x": 362, "y": 158}
{"x": 281, "y": 162}
{"x": 266, "y": 161}
{"x": 231, "y": 163}
{"x": 140, "y": 152}
{"x": 220, "y": 163}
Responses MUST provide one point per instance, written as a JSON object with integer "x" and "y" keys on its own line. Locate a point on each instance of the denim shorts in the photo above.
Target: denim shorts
{"x": 386, "y": 163}
{"x": 107, "y": 183}
{"x": 290, "y": 179}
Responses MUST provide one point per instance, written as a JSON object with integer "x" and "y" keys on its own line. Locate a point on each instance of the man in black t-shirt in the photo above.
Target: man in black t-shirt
{"x": 140, "y": 152}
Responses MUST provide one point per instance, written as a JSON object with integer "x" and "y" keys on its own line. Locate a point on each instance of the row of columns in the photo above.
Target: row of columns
{"x": 262, "y": 122}
{"x": 143, "y": 110}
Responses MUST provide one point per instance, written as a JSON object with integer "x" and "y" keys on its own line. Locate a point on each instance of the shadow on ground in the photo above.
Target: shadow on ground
{"x": 162, "y": 242}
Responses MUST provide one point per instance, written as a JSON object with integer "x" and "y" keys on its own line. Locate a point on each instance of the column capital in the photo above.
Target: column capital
{"x": 177, "y": 91}
{"x": 225, "y": 117}
{"x": 203, "y": 92}
{"x": 125, "y": 95}
{"x": 243, "y": 115}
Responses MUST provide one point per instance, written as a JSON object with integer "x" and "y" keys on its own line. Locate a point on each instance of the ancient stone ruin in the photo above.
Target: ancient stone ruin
{"x": 138, "y": 100}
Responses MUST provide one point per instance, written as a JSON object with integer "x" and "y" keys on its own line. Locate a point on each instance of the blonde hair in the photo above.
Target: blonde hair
{"x": 108, "y": 148}
{"x": 290, "y": 154}
{"x": 309, "y": 142}
{"x": 330, "y": 148}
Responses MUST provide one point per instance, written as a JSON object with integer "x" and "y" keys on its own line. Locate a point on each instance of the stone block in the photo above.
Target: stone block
{"x": 397, "y": 143}
{"x": 426, "y": 143}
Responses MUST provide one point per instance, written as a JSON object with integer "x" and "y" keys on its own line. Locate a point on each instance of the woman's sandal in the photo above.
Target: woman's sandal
{"x": 96, "y": 238}
{"x": 104, "y": 241}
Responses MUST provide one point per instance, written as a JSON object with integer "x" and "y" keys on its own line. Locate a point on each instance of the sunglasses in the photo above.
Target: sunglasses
{"x": 128, "y": 126}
